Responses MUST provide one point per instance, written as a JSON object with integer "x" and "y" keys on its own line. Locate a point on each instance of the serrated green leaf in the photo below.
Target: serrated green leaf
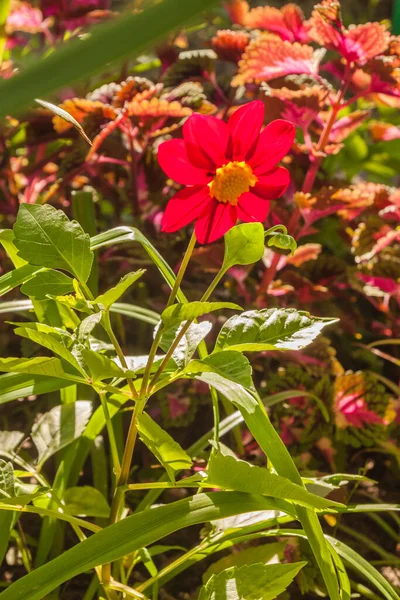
{"x": 7, "y": 489}
{"x": 113, "y": 294}
{"x": 86, "y": 326}
{"x": 191, "y": 310}
{"x": 7, "y": 241}
{"x": 167, "y": 451}
{"x": 39, "y": 365}
{"x": 230, "y": 473}
{"x": 9, "y": 440}
{"x": 59, "y": 427}
{"x": 270, "y": 329}
{"x": 86, "y": 501}
{"x": 244, "y": 245}
{"x": 47, "y": 282}
{"x": 230, "y": 364}
{"x": 45, "y": 237}
{"x": 189, "y": 342}
{"x": 251, "y": 582}
{"x": 254, "y": 554}
{"x": 47, "y": 340}
{"x": 13, "y": 279}
{"x": 101, "y": 367}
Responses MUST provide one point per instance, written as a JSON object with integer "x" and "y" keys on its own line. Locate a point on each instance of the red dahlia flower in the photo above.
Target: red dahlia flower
{"x": 229, "y": 169}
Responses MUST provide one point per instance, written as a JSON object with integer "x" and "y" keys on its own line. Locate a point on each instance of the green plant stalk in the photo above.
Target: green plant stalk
{"x": 111, "y": 436}
{"x": 46, "y": 512}
{"x": 108, "y": 328}
{"x": 171, "y": 300}
{"x": 367, "y": 542}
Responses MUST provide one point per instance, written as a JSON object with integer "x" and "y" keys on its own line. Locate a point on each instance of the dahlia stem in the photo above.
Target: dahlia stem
{"x": 171, "y": 300}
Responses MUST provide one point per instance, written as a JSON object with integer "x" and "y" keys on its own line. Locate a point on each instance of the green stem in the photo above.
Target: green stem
{"x": 111, "y": 436}
{"x": 107, "y": 326}
{"x": 171, "y": 300}
{"x": 184, "y": 329}
{"x": 46, "y": 512}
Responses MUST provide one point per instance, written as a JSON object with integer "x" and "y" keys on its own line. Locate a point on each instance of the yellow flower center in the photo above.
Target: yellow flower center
{"x": 231, "y": 181}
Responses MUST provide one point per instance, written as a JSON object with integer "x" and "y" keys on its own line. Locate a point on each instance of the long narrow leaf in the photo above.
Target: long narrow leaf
{"x": 134, "y": 532}
{"x": 113, "y": 41}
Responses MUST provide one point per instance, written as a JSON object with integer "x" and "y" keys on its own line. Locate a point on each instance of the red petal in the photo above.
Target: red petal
{"x": 184, "y": 207}
{"x": 206, "y": 140}
{"x": 273, "y": 184}
{"x": 273, "y": 144}
{"x": 174, "y": 161}
{"x": 216, "y": 222}
{"x": 245, "y": 125}
{"x": 252, "y": 208}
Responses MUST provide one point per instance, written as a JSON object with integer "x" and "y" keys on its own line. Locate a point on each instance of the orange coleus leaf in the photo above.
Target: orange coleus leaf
{"x": 299, "y": 106}
{"x": 138, "y": 88}
{"x": 230, "y": 45}
{"x": 287, "y": 22}
{"x": 359, "y": 196}
{"x": 79, "y": 108}
{"x": 268, "y": 57}
{"x": 356, "y": 44}
{"x": 346, "y": 125}
{"x": 304, "y": 253}
{"x": 156, "y": 108}
{"x": 238, "y": 10}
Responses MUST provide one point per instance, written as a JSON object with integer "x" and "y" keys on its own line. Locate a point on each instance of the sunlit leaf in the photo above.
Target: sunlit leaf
{"x": 244, "y": 245}
{"x": 191, "y": 310}
{"x": 59, "y": 427}
{"x": 230, "y": 364}
{"x": 163, "y": 446}
{"x": 250, "y": 582}
{"x": 114, "y": 293}
{"x": 47, "y": 282}
{"x": 60, "y": 112}
{"x": 270, "y": 329}
{"x": 86, "y": 501}
{"x": 45, "y": 237}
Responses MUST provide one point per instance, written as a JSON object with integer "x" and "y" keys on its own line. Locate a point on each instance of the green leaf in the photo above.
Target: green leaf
{"x": 101, "y": 367}
{"x": 244, "y": 245}
{"x": 7, "y": 241}
{"x": 115, "y": 40}
{"x": 59, "y": 427}
{"x": 229, "y": 364}
{"x": 250, "y": 582}
{"x": 267, "y": 437}
{"x": 281, "y": 243}
{"x": 46, "y": 339}
{"x": 364, "y": 568}
{"x": 45, "y": 237}
{"x": 18, "y": 385}
{"x": 163, "y": 446}
{"x": 86, "y": 501}
{"x": 254, "y": 554}
{"x": 7, "y": 488}
{"x": 86, "y": 326}
{"x": 47, "y": 282}
{"x": 14, "y": 278}
{"x": 115, "y": 293}
{"x": 270, "y": 329}
{"x": 191, "y": 310}
{"x": 60, "y": 112}
{"x": 125, "y": 537}
{"x": 189, "y": 342}
{"x": 9, "y": 440}
{"x": 229, "y": 473}
{"x": 39, "y": 365}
